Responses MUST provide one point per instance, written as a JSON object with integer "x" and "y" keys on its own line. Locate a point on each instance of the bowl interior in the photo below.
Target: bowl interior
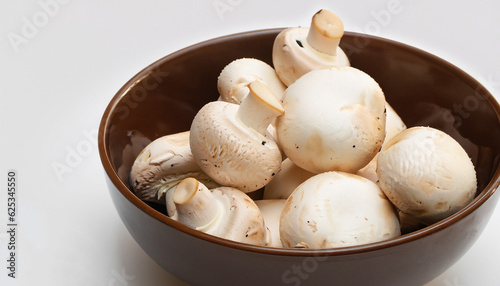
{"x": 424, "y": 90}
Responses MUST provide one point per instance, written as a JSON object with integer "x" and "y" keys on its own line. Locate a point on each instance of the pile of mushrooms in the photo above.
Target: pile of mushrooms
{"x": 335, "y": 164}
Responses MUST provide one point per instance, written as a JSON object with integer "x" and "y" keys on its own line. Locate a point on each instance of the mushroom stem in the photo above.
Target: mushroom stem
{"x": 325, "y": 32}
{"x": 195, "y": 204}
{"x": 259, "y": 108}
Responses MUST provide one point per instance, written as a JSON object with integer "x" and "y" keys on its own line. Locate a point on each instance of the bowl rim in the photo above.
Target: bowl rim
{"x": 479, "y": 200}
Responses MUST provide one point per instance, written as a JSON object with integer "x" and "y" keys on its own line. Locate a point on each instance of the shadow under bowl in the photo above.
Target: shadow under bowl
{"x": 425, "y": 90}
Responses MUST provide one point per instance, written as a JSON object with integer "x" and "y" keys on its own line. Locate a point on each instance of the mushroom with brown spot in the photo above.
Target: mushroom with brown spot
{"x": 297, "y": 51}
{"x": 224, "y": 212}
{"x": 234, "y": 79}
{"x": 426, "y": 174}
{"x": 162, "y": 164}
{"x": 393, "y": 125}
{"x": 337, "y": 209}
{"x": 231, "y": 144}
{"x": 334, "y": 120}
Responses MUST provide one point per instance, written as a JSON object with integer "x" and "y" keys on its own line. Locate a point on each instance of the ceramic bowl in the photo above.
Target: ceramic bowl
{"x": 424, "y": 89}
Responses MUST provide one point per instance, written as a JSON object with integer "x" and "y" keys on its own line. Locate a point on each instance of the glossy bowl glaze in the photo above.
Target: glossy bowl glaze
{"x": 424, "y": 89}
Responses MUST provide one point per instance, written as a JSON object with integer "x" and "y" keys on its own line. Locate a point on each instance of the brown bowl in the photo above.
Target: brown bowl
{"x": 424, "y": 89}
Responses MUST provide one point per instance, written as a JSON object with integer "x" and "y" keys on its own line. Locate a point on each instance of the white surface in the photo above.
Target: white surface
{"x": 56, "y": 83}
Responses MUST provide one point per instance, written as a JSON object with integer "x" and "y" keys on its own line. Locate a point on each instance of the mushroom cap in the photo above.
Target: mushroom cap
{"x": 286, "y": 181}
{"x": 293, "y": 56}
{"x": 162, "y": 164}
{"x": 234, "y": 79}
{"x": 271, "y": 211}
{"x": 337, "y": 209}
{"x": 241, "y": 219}
{"x": 231, "y": 153}
{"x": 334, "y": 120}
{"x": 393, "y": 125}
{"x": 426, "y": 173}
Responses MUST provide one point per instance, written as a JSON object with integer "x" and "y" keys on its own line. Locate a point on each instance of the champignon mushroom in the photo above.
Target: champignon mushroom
{"x": 336, "y": 209}
{"x": 393, "y": 125}
{"x": 334, "y": 120}
{"x": 286, "y": 181}
{"x": 297, "y": 51}
{"x": 162, "y": 164}
{"x": 426, "y": 173}
{"x": 271, "y": 211}
{"x": 234, "y": 79}
{"x": 231, "y": 144}
{"x": 224, "y": 212}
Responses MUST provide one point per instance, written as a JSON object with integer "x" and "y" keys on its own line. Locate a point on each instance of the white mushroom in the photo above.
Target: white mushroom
{"x": 393, "y": 125}
{"x": 334, "y": 120}
{"x": 162, "y": 164}
{"x": 231, "y": 143}
{"x": 271, "y": 211}
{"x": 234, "y": 79}
{"x": 426, "y": 173}
{"x": 297, "y": 51}
{"x": 224, "y": 212}
{"x": 286, "y": 181}
{"x": 336, "y": 209}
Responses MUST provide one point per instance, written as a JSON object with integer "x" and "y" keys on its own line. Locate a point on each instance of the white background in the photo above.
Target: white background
{"x": 60, "y": 64}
